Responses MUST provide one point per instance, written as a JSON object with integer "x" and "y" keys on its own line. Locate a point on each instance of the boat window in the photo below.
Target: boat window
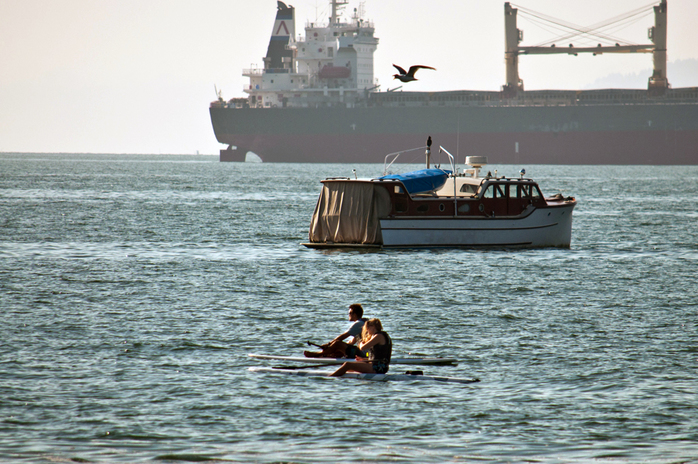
{"x": 520, "y": 191}
{"x": 535, "y": 193}
{"x": 398, "y": 189}
{"x": 423, "y": 208}
{"x": 469, "y": 188}
{"x": 524, "y": 191}
{"x": 494, "y": 191}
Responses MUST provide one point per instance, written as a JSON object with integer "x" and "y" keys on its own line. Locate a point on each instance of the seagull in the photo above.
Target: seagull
{"x": 409, "y": 75}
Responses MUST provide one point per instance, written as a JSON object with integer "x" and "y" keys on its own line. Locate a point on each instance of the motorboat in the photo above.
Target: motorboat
{"x": 435, "y": 207}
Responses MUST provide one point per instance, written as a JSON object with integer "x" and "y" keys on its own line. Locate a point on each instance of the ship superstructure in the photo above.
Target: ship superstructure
{"x": 332, "y": 64}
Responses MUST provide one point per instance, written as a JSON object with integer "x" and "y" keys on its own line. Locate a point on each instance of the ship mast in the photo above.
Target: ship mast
{"x": 336, "y": 4}
{"x": 657, "y": 83}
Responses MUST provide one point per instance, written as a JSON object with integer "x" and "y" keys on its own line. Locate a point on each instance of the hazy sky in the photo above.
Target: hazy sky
{"x": 137, "y": 76}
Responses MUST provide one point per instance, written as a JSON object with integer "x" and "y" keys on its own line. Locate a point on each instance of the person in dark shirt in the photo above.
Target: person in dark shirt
{"x": 338, "y": 348}
{"x": 379, "y": 346}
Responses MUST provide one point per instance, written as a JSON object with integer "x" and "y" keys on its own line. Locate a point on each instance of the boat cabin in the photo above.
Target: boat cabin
{"x": 462, "y": 196}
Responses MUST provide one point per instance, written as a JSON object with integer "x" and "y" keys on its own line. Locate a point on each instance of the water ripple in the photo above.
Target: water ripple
{"x": 132, "y": 289}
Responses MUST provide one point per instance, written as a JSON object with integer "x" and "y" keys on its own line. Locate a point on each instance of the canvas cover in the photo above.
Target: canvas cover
{"x": 348, "y": 211}
{"x": 424, "y": 180}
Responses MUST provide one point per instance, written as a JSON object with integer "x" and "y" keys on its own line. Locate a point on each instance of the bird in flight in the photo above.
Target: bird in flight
{"x": 408, "y": 76}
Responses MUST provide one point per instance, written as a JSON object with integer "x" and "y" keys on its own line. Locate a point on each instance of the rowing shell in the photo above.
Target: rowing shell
{"x": 354, "y": 375}
{"x": 415, "y": 361}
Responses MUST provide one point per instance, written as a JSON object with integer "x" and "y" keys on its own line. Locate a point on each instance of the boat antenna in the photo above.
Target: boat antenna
{"x": 428, "y": 152}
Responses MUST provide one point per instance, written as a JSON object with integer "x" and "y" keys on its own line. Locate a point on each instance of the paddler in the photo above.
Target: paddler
{"x": 338, "y": 348}
{"x": 379, "y": 346}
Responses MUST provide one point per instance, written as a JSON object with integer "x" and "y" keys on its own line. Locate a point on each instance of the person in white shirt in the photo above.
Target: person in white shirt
{"x": 338, "y": 348}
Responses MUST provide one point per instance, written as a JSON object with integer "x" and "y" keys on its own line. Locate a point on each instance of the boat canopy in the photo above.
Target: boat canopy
{"x": 424, "y": 180}
{"x": 348, "y": 211}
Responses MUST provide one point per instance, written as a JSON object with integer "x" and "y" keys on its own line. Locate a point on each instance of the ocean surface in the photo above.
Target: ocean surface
{"x": 132, "y": 289}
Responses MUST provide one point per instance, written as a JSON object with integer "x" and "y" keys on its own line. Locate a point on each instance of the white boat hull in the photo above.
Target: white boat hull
{"x": 544, "y": 227}
{"x": 371, "y": 377}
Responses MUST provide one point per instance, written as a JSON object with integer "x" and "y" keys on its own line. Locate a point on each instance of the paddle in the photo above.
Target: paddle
{"x": 337, "y": 352}
{"x": 308, "y": 366}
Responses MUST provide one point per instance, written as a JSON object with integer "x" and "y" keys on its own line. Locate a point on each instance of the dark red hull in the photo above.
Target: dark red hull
{"x": 649, "y": 147}
{"x": 612, "y": 134}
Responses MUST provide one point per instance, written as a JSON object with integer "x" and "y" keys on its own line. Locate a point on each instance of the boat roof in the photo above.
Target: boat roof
{"x": 439, "y": 182}
{"x": 423, "y": 180}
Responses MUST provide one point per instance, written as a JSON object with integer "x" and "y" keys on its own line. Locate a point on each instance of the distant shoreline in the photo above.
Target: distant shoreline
{"x": 101, "y": 154}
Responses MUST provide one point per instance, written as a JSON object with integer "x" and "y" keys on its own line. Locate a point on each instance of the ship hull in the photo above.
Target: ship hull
{"x": 654, "y": 134}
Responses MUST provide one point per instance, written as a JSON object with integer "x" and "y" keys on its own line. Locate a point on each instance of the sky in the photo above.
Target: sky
{"x": 137, "y": 76}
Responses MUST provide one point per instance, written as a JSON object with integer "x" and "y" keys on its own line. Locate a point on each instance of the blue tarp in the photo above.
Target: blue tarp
{"x": 424, "y": 180}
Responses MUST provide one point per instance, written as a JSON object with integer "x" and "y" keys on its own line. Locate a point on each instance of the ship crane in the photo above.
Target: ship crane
{"x": 658, "y": 35}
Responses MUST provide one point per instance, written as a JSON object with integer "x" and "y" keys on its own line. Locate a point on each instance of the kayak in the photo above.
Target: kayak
{"x": 302, "y": 359}
{"x": 358, "y": 376}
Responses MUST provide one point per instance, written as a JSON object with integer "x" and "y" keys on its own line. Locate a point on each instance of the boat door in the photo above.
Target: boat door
{"x": 520, "y": 195}
{"x": 494, "y": 200}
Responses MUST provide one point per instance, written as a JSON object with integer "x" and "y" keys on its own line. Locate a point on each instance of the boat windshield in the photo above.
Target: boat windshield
{"x": 525, "y": 191}
{"x": 529, "y": 191}
{"x": 494, "y": 191}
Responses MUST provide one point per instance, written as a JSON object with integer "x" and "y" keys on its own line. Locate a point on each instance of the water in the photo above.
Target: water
{"x": 133, "y": 287}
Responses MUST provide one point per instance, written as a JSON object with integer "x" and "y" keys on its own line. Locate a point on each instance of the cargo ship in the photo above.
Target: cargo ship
{"x": 316, "y": 100}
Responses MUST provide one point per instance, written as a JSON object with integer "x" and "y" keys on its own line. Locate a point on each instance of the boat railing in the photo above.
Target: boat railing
{"x": 450, "y": 157}
{"x": 453, "y": 173}
{"x": 395, "y": 155}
